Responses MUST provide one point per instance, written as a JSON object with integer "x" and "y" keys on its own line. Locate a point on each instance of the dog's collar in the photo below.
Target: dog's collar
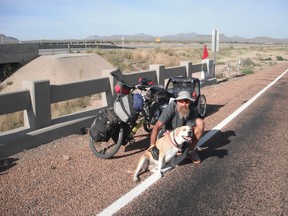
{"x": 174, "y": 142}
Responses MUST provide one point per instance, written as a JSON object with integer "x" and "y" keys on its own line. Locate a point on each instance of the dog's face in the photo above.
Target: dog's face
{"x": 183, "y": 134}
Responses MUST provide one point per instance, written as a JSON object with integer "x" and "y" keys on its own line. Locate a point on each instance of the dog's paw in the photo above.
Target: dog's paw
{"x": 159, "y": 175}
{"x": 136, "y": 179}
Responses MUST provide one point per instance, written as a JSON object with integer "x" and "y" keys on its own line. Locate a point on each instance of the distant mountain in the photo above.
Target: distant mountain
{"x": 189, "y": 37}
{"x": 6, "y": 40}
{"x": 181, "y": 37}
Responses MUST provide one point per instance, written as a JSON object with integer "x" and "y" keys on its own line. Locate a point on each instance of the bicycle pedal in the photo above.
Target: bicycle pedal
{"x": 131, "y": 141}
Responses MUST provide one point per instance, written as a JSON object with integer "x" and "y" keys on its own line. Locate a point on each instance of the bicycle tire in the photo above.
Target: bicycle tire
{"x": 107, "y": 149}
{"x": 147, "y": 127}
{"x": 202, "y": 106}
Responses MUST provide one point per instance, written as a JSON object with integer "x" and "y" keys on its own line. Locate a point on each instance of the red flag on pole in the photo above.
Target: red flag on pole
{"x": 205, "y": 53}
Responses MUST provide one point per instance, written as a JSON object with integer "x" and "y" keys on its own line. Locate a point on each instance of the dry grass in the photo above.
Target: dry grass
{"x": 11, "y": 121}
{"x": 16, "y": 120}
{"x": 130, "y": 60}
{"x": 139, "y": 59}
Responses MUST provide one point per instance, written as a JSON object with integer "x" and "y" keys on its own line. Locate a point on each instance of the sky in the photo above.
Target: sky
{"x": 75, "y": 19}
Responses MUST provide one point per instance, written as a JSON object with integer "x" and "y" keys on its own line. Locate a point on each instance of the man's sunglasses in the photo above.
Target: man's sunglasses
{"x": 186, "y": 101}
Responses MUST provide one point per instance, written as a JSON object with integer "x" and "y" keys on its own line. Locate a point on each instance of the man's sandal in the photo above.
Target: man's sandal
{"x": 194, "y": 157}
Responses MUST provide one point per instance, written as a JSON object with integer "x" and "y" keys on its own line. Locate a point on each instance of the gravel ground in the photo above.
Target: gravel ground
{"x": 64, "y": 177}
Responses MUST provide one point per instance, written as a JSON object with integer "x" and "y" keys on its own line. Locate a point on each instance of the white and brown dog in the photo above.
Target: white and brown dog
{"x": 168, "y": 146}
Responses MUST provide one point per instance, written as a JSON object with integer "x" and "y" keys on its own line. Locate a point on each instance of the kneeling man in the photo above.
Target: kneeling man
{"x": 178, "y": 113}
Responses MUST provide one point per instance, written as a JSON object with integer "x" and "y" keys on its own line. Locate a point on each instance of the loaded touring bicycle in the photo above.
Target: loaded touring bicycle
{"x": 116, "y": 126}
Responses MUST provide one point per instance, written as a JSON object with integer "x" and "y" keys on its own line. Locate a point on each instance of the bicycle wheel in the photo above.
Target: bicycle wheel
{"x": 147, "y": 127}
{"x": 107, "y": 149}
{"x": 201, "y": 106}
{"x": 154, "y": 116}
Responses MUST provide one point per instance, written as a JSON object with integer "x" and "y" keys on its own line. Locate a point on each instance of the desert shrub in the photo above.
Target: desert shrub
{"x": 248, "y": 63}
{"x": 158, "y": 49}
{"x": 247, "y": 70}
{"x": 127, "y": 55}
{"x": 6, "y": 70}
{"x": 169, "y": 52}
{"x": 265, "y": 59}
{"x": 280, "y": 58}
{"x": 227, "y": 51}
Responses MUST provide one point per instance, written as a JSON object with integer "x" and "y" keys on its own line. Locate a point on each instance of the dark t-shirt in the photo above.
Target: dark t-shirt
{"x": 170, "y": 117}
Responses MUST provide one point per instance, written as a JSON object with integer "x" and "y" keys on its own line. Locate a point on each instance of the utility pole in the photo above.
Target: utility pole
{"x": 215, "y": 47}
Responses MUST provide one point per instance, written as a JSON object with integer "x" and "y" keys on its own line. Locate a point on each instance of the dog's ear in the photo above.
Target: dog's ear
{"x": 177, "y": 130}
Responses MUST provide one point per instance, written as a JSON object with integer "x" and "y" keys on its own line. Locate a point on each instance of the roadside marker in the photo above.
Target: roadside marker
{"x": 128, "y": 197}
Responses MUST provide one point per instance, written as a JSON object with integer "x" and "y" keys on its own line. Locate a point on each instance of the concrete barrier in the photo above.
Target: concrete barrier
{"x": 18, "y": 53}
{"x": 37, "y": 96}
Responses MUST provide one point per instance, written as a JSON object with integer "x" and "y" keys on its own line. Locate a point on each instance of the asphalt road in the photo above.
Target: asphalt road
{"x": 244, "y": 171}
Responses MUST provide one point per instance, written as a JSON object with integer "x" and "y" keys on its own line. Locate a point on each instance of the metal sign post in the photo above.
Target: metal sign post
{"x": 215, "y": 47}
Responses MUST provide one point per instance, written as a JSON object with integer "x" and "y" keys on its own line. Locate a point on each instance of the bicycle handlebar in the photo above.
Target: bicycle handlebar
{"x": 140, "y": 86}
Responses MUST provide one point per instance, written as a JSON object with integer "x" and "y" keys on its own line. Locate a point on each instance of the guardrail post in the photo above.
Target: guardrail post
{"x": 39, "y": 115}
{"x": 188, "y": 65}
{"x": 159, "y": 72}
{"x": 109, "y": 96}
{"x": 210, "y": 73}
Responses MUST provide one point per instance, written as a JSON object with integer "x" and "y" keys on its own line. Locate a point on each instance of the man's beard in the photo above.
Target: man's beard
{"x": 184, "y": 112}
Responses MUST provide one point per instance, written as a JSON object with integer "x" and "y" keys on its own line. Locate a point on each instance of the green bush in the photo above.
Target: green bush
{"x": 280, "y": 58}
{"x": 247, "y": 70}
{"x": 265, "y": 59}
{"x": 6, "y": 70}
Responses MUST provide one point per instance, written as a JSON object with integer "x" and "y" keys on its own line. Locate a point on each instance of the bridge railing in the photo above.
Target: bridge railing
{"x": 37, "y": 96}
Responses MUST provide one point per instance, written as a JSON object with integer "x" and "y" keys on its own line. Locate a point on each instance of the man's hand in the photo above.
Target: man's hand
{"x": 155, "y": 131}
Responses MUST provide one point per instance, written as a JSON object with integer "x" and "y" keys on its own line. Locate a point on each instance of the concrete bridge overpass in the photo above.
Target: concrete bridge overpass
{"x": 25, "y": 52}
{"x": 18, "y": 53}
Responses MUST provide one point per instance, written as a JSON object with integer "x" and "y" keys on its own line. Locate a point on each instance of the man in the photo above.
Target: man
{"x": 177, "y": 114}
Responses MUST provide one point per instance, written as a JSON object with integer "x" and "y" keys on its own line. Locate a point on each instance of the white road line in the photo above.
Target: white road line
{"x": 128, "y": 197}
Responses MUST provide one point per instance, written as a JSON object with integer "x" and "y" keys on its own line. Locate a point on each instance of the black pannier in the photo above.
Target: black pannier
{"x": 158, "y": 94}
{"x": 104, "y": 125}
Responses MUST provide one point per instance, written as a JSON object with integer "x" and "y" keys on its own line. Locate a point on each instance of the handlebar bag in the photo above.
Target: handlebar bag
{"x": 103, "y": 125}
{"x": 123, "y": 107}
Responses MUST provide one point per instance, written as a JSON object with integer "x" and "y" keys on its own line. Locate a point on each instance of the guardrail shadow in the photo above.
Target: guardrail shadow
{"x": 212, "y": 108}
{"x": 7, "y": 163}
{"x": 136, "y": 147}
{"x": 211, "y": 147}
{"x": 219, "y": 140}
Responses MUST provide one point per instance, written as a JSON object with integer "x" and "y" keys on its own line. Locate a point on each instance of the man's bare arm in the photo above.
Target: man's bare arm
{"x": 154, "y": 133}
